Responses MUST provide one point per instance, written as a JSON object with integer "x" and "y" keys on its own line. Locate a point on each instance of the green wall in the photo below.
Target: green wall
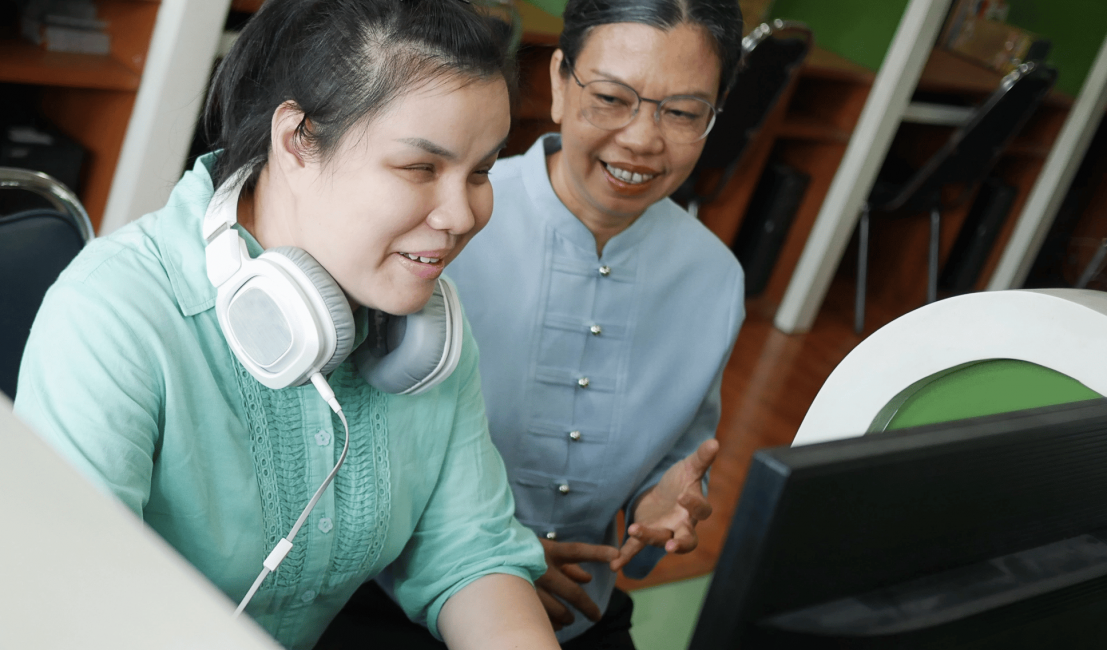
{"x": 859, "y": 30}
{"x": 862, "y": 30}
{"x": 1076, "y": 27}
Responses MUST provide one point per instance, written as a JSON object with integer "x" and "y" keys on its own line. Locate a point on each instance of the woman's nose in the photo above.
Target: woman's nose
{"x": 643, "y": 134}
{"x": 453, "y": 214}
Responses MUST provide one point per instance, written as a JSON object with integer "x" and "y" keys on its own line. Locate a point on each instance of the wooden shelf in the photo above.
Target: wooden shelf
{"x": 26, "y": 63}
{"x": 246, "y": 6}
{"x": 824, "y": 64}
{"x": 802, "y": 127}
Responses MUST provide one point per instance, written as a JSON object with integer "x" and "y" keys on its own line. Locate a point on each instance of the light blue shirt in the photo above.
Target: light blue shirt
{"x": 599, "y": 372}
{"x": 128, "y": 374}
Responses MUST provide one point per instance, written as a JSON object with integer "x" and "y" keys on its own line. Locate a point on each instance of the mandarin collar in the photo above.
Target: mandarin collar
{"x": 536, "y": 180}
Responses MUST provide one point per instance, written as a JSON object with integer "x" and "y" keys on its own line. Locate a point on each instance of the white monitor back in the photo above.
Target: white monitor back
{"x": 79, "y": 570}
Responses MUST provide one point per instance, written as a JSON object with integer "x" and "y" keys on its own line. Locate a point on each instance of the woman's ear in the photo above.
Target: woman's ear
{"x": 288, "y": 150}
{"x": 557, "y": 86}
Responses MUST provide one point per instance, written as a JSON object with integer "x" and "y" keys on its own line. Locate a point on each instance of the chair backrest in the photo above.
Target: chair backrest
{"x": 35, "y": 245}
{"x": 974, "y": 148}
{"x": 772, "y": 54}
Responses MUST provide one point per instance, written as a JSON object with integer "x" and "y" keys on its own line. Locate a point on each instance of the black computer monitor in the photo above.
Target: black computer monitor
{"x": 981, "y": 533}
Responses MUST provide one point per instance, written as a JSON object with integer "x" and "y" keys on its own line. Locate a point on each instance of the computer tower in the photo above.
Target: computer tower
{"x": 768, "y": 218}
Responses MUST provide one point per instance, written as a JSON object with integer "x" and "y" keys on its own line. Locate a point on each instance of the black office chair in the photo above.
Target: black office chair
{"x": 772, "y": 54}
{"x": 964, "y": 160}
{"x": 35, "y": 245}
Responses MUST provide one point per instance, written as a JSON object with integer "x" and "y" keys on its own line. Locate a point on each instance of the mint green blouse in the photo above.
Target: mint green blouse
{"x": 127, "y": 373}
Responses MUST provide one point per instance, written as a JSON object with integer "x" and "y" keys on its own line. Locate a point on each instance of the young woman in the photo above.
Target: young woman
{"x": 355, "y": 143}
{"x": 605, "y": 314}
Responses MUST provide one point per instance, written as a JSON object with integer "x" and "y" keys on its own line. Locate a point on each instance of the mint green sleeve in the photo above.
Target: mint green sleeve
{"x": 87, "y": 383}
{"x": 468, "y": 529}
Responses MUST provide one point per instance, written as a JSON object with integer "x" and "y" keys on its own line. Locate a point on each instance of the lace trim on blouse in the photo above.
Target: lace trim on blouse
{"x": 361, "y": 487}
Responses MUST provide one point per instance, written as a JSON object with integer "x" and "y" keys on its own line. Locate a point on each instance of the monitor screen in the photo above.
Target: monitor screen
{"x": 982, "y": 533}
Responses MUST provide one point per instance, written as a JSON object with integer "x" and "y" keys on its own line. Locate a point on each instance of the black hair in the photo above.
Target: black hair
{"x": 340, "y": 61}
{"x": 721, "y": 19}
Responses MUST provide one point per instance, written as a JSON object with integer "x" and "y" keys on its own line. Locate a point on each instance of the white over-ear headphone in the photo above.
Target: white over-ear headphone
{"x": 286, "y": 319}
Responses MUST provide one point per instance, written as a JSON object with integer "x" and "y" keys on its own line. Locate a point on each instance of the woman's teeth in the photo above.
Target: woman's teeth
{"x": 424, "y": 260}
{"x": 634, "y": 178}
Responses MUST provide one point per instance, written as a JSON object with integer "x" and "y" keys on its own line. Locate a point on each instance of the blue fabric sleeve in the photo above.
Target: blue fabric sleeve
{"x": 702, "y": 427}
{"x": 468, "y": 529}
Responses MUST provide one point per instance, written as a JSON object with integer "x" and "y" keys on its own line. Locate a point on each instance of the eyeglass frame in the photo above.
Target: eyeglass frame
{"x": 715, "y": 110}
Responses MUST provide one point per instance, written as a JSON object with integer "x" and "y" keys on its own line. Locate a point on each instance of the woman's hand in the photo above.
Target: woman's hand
{"x": 667, "y": 514}
{"x": 564, "y": 577}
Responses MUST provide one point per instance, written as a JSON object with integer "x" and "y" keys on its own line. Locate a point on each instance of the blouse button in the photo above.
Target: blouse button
{"x": 323, "y": 438}
{"x": 574, "y": 436}
{"x": 551, "y": 535}
{"x": 596, "y": 330}
{"x": 583, "y": 382}
{"x": 605, "y": 270}
{"x": 308, "y": 596}
{"x": 326, "y": 524}
{"x": 563, "y": 488}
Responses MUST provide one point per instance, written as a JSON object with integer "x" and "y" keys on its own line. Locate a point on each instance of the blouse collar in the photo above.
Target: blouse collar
{"x": 536, "y": 180}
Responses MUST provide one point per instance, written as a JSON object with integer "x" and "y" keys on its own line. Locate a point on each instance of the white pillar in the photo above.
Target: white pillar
{"x": 1055, "y": 179}
{"x": 178, "y": 67}
{"x": 881, "y": 116}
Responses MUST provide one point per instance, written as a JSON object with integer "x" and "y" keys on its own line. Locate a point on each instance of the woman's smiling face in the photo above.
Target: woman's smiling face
{"x": 608, "y": 178}
{"x": 398, "y": 199}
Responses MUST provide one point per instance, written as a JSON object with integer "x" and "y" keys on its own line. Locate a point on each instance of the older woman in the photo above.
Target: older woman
{"x": 177, "y": 361}
{"x": 605, "y": 314}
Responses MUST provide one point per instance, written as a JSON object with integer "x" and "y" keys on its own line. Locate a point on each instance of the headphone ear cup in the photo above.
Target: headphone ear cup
{"x": 414, "y": 352}
{"x": 338, "y": 307}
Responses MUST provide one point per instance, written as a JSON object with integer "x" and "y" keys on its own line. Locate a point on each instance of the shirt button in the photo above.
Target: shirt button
{"x": 596, "y": 330}
{"x": 551, "y": 535}
{"x": 307, "y": 596}
{"x": 323, "y": 438}
{"x": 574, "y": 436}
{"x": 605, "y": 270}
{"x": 326, "y": 524}
{"x": 583, "y": 382}
{"x": 563, "y": 488}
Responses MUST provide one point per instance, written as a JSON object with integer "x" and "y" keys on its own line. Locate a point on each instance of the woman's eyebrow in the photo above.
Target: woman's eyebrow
{"x": 614, "y": 77}
{"x": 497, "y": 149}
{"x": 430, "y": 147}
{"x": 444, "y": 153}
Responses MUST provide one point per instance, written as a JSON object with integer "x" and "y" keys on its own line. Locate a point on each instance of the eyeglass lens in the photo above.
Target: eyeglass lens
{"x": 611, "y": 105}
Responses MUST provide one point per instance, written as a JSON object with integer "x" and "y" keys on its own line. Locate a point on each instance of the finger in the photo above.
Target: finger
{"x": 684, "y": 540}
{"x": 576, "y": 552}
{"x": 696, "y": 505}
{"x": 704, "y": 455}
{"x": 559, "y": 614}
{"x": 653, "y": 535}
{"x": 558, "y": 584}
{"x": 629, "y": 549}
{"x": 576, "y": 574}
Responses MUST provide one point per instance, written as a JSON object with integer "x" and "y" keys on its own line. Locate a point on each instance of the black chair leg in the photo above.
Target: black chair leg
{"x": 862, "y": 270}
{"x": 932, "y": 275}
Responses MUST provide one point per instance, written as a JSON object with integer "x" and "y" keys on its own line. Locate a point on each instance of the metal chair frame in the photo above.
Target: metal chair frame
{"x": 58, "y": 195}
{"x": 923, "y": 190}
{"x": 729, "y": 155}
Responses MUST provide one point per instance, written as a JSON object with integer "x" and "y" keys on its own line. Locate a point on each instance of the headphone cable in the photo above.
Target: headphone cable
{"x": 277, "y": 555}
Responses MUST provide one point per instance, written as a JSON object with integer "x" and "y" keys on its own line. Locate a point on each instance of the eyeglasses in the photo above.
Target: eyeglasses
{"x": 611, "y": 105}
